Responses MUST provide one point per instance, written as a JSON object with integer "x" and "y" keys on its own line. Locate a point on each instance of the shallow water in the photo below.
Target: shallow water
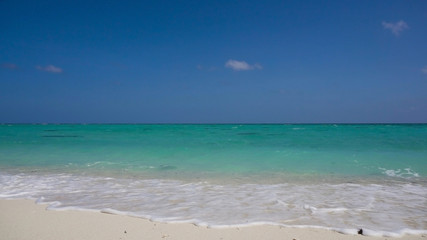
{"x": 342, "y": 177}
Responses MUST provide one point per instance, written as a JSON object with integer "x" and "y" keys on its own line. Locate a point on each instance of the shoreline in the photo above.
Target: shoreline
{"x": 24, "y": 219}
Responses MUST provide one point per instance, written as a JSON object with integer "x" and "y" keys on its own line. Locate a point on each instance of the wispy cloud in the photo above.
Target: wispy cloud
{"x": 49, "y": 68}
{"x": 241, "y": 65}
{"x": 424, "y": 70}
{"x": 203, "y": 68}
{"x": 9, "y": 66}
{"x": 395, "y": 28}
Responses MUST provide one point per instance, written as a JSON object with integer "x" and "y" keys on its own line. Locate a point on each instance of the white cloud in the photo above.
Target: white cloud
{"x": 50, "y": 68}
{"x": 241, "y": 65}
{"x": 257, "y": 66}
{"x": 9, "y": 66}
{"x": 424, "y": 70}
{"x": 395, "y": 28}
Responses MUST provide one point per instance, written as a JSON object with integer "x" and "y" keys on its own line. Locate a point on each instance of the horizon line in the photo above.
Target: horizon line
{"x": 213, "y": 123}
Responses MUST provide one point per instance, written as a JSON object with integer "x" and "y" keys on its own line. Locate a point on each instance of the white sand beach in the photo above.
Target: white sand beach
{"x": 23, "y": 219}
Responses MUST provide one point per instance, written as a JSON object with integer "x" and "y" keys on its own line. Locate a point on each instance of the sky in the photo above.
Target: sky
{"x": 343, "y": 61}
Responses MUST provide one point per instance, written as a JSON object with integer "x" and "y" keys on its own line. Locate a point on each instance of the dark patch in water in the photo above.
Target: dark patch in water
{"x": 248, "y": 133}
{"x": 51, "y": 130}
{"x": 61, "y": 136}
{"x": 167, "y": 167}
{"x": 276, "y": 134}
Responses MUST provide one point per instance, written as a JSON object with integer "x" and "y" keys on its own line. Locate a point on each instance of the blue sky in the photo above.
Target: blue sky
{"x": 213, "y": 61}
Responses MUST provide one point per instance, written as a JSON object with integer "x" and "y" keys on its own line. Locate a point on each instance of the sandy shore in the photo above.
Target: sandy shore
{"x": 23, "y": 219}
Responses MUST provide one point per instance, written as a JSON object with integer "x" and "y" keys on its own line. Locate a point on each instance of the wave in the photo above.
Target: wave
{"x": 406, "y": 173}
{"x": 378, "y": 209}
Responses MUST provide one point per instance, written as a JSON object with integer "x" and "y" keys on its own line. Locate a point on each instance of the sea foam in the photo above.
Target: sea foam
{"x": 379, "y": 209}
{"x": 406, "y": 173}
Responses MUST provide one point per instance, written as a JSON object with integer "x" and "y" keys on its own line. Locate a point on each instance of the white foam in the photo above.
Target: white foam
{"x": 406, "y": 173}
{"x": 93, "y": 164}
{"x": 379, "y": 209}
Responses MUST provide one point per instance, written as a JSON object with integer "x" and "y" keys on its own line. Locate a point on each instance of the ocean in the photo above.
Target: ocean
{"x": 341, "y": 177}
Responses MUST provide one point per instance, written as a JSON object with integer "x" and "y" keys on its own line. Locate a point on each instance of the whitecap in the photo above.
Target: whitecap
{"x": 406, "y": 173}
{"x": 378, "y": 209}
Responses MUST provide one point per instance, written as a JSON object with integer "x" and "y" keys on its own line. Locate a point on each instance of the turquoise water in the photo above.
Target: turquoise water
{"x": 343, "y": 150}
{"x": 298, "y": 175}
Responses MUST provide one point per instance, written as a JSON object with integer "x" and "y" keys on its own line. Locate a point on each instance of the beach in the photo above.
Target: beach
{"x": 23, "y": 219}
{"x": 215, "y": 179}
{"x": 213, "y": 120}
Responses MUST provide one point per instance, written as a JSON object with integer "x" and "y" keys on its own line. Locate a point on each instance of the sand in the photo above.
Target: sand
{"x": 23, "y": 219}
